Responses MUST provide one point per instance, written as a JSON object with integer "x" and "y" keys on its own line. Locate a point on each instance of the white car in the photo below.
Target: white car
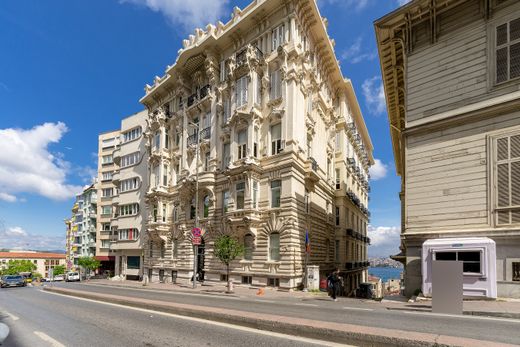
{"x": 72, "y": 276}
{"x": 59, "y": 278}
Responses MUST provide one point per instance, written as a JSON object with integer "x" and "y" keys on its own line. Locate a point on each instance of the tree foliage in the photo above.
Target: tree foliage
{"x": 14, "y": 267}
{"x": 58, "y": 270}
{"x": 226, "y": 250}
{"x": 89, "y": 263}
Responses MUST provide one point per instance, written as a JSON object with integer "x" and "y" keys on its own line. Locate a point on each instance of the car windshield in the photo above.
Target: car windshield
{"x": 13, "y": 277}
{"x": 73, "y": 274}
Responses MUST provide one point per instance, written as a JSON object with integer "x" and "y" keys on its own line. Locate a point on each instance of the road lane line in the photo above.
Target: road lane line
{"x": 48, "y": 339}
{"x": 12, "y": 316}
{"x": 220, "y": 324}
{"x": 268, "y": 301}
{"x": 358, "y": 308}
{"x": 498, "y": 319}
{"x": 303, "y": 304}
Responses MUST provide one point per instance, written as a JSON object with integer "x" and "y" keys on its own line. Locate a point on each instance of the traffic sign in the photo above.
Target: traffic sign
{"x": 196, "y": 234}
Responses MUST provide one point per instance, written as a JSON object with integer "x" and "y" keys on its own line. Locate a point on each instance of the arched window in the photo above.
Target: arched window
{"x": 206, "y": 206}
{"x": 248, "y": 247}
{"x": 274, "y": 246}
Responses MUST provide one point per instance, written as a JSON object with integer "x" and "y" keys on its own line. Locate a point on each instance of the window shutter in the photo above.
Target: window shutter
{"x": 515, "y": 147}
{"x": 501, "y": 65}
{"x": 515, "y": 183}
{"x": 514, "y": 30}
{"x": 503, "y": 185}
{"x": 514, "y": 60}
{"x": 502, "y": 34}
{"x": 502, "y": 149}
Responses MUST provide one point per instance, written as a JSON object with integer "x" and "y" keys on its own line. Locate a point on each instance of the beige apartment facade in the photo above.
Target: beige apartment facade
{"x": 283, "y": 149}
{"x": 129, "y": 208}
{"x": 451, "y": 74}
{"x": 43, "y": 261}
{"x": 106, "y": 233}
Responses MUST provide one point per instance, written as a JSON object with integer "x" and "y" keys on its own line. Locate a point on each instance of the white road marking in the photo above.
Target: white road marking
{"x": 48, "y": 339}
{"x": 358, "y": 308}
{"x": 220, "y": 324}
{"x": 498, "y": 319}
{"x": 268, "y": 301}
{"x": 13, "y": 317}
{"x": 303, "y": 304}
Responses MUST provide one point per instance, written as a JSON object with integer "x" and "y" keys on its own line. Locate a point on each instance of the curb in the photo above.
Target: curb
{"x": 509, "y": 315}
{"x": 328, "y": 331}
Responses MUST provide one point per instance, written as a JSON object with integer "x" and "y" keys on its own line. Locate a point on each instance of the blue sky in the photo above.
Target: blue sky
{"x": 72, "y": 69}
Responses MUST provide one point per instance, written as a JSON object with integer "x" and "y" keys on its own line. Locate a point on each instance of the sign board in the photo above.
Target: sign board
{"x": 196, "y": 236}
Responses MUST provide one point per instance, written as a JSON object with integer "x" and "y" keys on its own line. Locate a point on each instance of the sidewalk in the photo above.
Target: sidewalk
{"x": 328, "y": 331}
{"x": 504, "y": 308}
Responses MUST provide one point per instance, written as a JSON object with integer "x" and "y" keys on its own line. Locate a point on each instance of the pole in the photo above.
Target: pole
{"x": 196, "y": 247}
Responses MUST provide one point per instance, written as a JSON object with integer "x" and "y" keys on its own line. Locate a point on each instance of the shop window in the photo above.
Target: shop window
{"x": 247, "y": 279}
{"x": 516, "y": 271}
{"x": 471, "y": 260}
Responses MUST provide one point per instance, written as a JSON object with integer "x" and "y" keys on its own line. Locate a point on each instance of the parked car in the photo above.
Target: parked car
{"x": 12, "y": 281}
{"x": 59, "y": 278}
{"x": 72, "y": 276}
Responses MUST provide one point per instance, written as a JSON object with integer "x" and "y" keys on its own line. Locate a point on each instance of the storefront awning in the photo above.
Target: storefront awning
{"x": 104, "y": 258}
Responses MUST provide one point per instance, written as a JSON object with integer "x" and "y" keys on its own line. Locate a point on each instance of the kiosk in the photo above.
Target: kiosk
{"x": 478, "y": 255}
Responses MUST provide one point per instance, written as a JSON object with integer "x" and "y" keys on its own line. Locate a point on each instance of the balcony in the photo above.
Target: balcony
{"x": 241, "y": 58}
{"x": 311, "y": 170}
{"x": 350, "y": 232}
{"x": 204, "y": 91}
{"x": 205, "y": 134}
{"x": 191, "y": 99}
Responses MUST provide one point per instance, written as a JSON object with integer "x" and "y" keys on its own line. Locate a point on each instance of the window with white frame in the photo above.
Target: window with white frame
{"x": 274, "y": 246}
{"x": 275, "y": 85}
{"x": 128, "y": 234}
{"x": 276, "y": 138}
{"x": 276, "y": 192}
{"x": 129, "y": 184}
{"x": 130, "y": 159}
{"x": 205, "y": 206}
{"x": 471, "y": 260}
{"x": 507, "y": 50}
{"x": 164, "y": 212}
{"x": 241, "y": 91}
{"x": 278, "y": 36}
{"x": 155, "y": 179}
{"x": 258, "y": 90}
{"x": 225, "y": 201}
{"x": 132, "y": 134}
{"x": 105, "y": 243}
{"x": 107, "y": 176}
{"x": 105, "y": 226}
{"x": 240, "y": 190}
{"x": 255, "y": 143}
{"x": 227, "y": 109}
{"x": 106, "y": 210}
{"x": 242, "y": 144}
{"x": 248, "y": 247}
{"x": 107, "y": 159}
{"x": 157, "y": 140}
{"x": 107, "y": 192}
{"x": 338, "y": 179}
{"x": 129, "y": 210}
{"x": 207, "y": 158}
{"x": 165, "y": 175}
{"x": 223, "y": 71}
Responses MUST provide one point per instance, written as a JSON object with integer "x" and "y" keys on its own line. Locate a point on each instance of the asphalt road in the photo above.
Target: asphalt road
{"x": 37, "y": 318}
{"x": 344, "y": 311}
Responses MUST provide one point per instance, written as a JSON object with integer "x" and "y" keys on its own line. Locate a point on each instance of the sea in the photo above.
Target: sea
{"x": 385, "y": 273}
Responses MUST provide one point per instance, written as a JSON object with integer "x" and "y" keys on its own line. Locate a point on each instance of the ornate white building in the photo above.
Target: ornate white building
{"x": 283, "y": 149}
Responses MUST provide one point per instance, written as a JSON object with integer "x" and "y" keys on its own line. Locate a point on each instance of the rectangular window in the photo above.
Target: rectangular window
{"x": 507, "y": 51}
{"x": 165, "y": 175}
{"x": 164, "y": 213}
{"x": 276, "y": 139}
{"x": 275, "y": 85}
{"x": 105, "y": 243}
{"x": 227, "y": 109}
{"x": 128, "y": 234}
{"x": 278, "y": 37}
{"x": 258, "y": 91}
{"x": 255, "y": 143}
{"x": 276, "y": 192}
{"x": 157, "y": 140}
{"x": 133, "y": 262}
{"x": 241, "y": 91}
{"x": 207, "y": 157}
{"x": 130, "y": 159}
{"x": 516, "y": 271}
{"x": 106, "y": 210}
{"x": 240, "y": 195}
{"x": 226, "y": 156}
{"x": 129, "y": 210}
{"x": 129, "y": 184}
{"x": 223, "y": 71}
{"x": 107, "y": 192}
{"x": 247, "y": 279}
{"x": 338, "y": 182}
{"x": 132, "y": 134}
{"x": 166, "y": 140}
{"x": 471, "y": 259}
{"x": 274, "y": 247}
{"x": 337, "y": 216}
{"x": 242, "y": 144}
{"x": 225, "y": 201}
{"x": 107, "y": 176}
{"x": 105, "y": 226}
{"x": 507, "y": 185}
{"x": 107, "y": 159}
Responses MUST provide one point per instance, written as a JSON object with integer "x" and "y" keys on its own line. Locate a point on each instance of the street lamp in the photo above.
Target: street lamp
{"x": 196, "y": 247}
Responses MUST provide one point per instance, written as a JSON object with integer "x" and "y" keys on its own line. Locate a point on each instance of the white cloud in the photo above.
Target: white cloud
{"x": 15, "y": 231}
{"x": 402, "y": 2}
{"x": 384, "y": 241}
{"x": 189, "y": 14}
{"x": 27, "y": 165}
{"x": 7, "y": 197}
{"x": 354, "y": 54}
{"x": 18, "y": 238}
{"x": 378, "y": 170}
{"x": 374, "y": 93}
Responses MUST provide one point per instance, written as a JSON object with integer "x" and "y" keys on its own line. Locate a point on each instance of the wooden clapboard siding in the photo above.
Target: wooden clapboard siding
{"x": 447, "y": 177}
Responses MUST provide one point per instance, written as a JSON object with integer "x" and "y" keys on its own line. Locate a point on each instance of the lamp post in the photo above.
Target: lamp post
{"x": 196, "y": 247}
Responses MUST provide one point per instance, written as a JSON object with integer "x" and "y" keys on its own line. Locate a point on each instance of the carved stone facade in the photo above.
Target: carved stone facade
{"x": 282, "y": 149}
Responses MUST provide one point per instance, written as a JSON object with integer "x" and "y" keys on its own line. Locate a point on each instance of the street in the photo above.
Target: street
{"x": 36, "y": 318}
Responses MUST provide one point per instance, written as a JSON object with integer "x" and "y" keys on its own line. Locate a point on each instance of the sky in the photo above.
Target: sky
{"x": 70, "y": 70}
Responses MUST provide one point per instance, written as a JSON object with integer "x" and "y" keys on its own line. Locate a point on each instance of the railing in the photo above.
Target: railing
{"x": 205, "y": 134}
{"x": 193, "y": 139}
{"x": 259, "y": 54}
{"x": 241, "y": 58}
{"x": 314, "y": 164}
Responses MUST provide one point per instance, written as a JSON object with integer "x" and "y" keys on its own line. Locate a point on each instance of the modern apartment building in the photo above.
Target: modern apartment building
{"x": 107, "y": 144}
{"x": 81, "y": 227}
{"x": 129, "y": 208}
{"x": 451, "y": 73}
{"x": 282, "y": 148}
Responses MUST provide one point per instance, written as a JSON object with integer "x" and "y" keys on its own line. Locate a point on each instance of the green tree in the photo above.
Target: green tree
{"x": 89, "y": 263}
{"x": 58, "y": 270}
{"x": 226, "y": 250}
{"x": 14, "y": 267}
